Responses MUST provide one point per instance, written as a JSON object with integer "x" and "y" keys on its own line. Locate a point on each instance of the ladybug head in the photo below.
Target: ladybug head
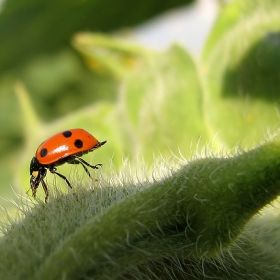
{"x": 37, "y": 172}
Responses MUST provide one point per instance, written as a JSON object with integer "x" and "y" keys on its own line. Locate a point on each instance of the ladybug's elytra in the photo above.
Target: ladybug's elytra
{"x": 66, "y": 146}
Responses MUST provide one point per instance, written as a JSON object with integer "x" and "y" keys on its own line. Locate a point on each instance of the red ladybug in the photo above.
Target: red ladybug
{"x": 66, "y": 146}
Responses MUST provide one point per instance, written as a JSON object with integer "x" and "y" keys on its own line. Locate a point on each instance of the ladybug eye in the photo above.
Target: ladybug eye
{"x": 78, "y": 143}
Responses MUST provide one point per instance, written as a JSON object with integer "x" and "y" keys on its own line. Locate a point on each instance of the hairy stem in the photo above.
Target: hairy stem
{"x": 199, "y": 211}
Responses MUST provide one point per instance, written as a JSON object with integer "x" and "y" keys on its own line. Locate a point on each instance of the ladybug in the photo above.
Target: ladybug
{"x": 66, "y": 146}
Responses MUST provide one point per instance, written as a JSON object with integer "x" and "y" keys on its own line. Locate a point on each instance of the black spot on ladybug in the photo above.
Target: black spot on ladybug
{"x": 43, "y": 152}
{"x": 67, "y": 134}
{"x": 78, "y": 143}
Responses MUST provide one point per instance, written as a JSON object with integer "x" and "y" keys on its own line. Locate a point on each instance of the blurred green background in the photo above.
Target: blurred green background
{"x": 75, "y": 64}
{"x": 36, "y": 50}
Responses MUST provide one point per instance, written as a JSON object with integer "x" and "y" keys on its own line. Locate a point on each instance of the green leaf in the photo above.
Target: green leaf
{"x": 31, "y": 28}
{"x": 162, "y": 105}
{"x": 157, "y": 91}
{"x": 242, "y": 75}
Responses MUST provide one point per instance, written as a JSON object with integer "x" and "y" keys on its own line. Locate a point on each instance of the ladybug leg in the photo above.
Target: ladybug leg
{"x": 53, "y": 170}
{"x": 96, "y": 166}
{"x": 45, "y": 190}
{"x": 78, "y": 160}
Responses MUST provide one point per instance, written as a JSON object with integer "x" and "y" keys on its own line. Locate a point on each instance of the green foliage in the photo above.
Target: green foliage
{"x": 195, "y": 213}
{"x": 240, "y": 64}
{"x": 193, "y": 220}
{"x": 35, "y": 48}
{"x": 39, "y": 27}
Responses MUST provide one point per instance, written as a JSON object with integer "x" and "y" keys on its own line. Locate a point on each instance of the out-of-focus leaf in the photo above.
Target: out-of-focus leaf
{"x": 162, "y": 105}
{"x": 10, "y": 124}
{"x": 57, "y": 85}
{"x": 157, "y": 92}
{"x": 29, "y": 28}
{"x": 241, "y": 66}
{"x": 108, "y": 56}
{"x": 61, "y": 83}
{"x": 35, "y": 39}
